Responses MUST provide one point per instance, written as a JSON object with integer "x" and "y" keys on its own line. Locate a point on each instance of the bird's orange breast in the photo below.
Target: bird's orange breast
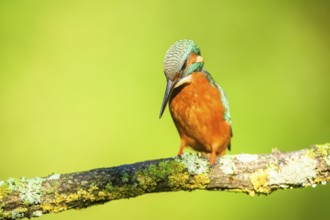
{"x": 198, "y": 114}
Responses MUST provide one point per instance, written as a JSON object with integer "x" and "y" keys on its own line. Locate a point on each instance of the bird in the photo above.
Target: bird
{"x": 198, "y": 105}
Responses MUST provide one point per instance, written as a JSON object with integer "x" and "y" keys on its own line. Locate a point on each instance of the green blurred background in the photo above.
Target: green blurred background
{"x": 81, "y": 84}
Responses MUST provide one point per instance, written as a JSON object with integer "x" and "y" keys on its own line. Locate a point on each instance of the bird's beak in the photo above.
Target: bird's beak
{"x": 169, "y": 88}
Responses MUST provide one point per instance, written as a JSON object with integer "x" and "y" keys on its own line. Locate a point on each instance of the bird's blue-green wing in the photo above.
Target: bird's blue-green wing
{"x": 224, "y": 101}
{"x": 227, "y": 112}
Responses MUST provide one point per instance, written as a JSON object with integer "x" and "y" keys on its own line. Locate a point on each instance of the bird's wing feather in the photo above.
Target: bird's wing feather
{"x": 224, "y": 101}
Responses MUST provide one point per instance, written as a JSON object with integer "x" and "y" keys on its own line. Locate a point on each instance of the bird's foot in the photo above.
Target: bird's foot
{"x": 181, "y": 151}
{"x": 213, "y": 156}
{"x": 180, "y": 154}
{"x": 212, "y": 159}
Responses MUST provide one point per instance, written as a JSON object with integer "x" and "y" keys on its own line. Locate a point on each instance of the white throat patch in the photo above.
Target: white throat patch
{"x": 184, "y": 80}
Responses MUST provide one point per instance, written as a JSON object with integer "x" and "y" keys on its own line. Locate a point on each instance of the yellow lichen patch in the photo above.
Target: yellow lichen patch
{"x": 59, "y": 208}
{"x": 259, "y": 181}
{"x": 61, "y": 201}
{"x": 59, "y": 204}
{"x": 47, "y": 207}
{"x": 323, "y": 150}
{"x": 6, "y": 214}
{"x": 72, "y": 197}
{"x": 3, "y": 190}
{"x": 200, "y": 181}
{"x": 178, "y": 180}
{"x": 252, "y": 193}
{"x": 125, "y": 191}
{"x": 87, "y": 194}
{"x": 21, "y": 209}
{"x": 320, "y": 180}
{"x": 311, "y": 153}
{"x": 102, "y": 195}
{"x": 145, "y": 181}
{"x": 320, "y": 151}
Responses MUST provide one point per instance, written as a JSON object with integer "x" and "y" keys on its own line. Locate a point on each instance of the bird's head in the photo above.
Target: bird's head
{"x": 181, "y": 59}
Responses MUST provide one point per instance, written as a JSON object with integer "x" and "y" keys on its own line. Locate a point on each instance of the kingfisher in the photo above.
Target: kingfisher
{"x": 198, "y": 105}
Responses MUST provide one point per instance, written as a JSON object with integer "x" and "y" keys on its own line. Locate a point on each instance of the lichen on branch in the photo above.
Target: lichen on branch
{"x": 248, "y": 173}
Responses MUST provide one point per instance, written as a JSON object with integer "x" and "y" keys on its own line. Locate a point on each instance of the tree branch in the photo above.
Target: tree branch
{"x": 248, "y": 173}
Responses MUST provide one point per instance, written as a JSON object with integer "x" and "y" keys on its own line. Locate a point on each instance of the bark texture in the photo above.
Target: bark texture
{"x": 247, "y": 173}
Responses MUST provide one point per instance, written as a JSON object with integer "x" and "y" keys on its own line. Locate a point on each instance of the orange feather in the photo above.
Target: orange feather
{"x": 198, "y": 114}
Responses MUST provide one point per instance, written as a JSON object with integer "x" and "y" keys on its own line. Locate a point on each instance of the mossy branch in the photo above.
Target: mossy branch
{"x": 251, "y": 174}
